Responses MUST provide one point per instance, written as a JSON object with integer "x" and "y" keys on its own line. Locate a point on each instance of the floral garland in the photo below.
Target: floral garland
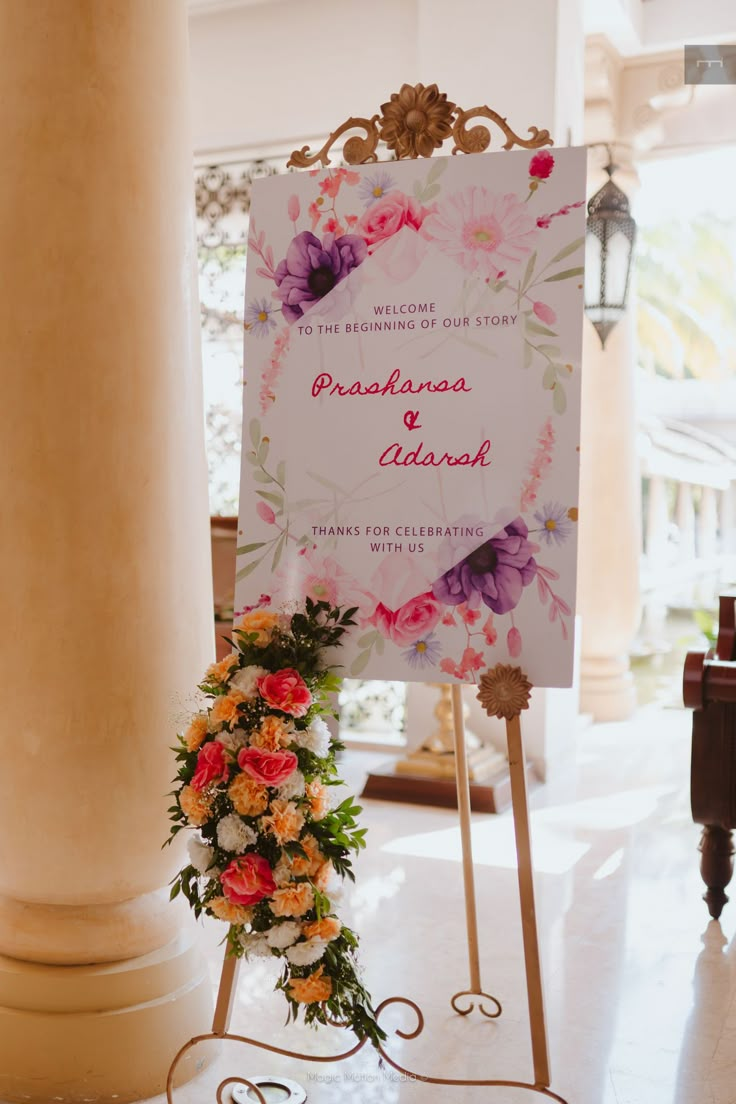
{"x": 256, "y": 773}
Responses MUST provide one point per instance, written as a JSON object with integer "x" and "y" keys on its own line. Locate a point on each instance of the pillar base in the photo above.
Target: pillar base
{"x": 607, "y": 690}
{"x": 104, "y": 1033}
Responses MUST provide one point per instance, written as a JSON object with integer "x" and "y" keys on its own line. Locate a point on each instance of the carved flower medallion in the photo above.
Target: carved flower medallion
{"x": 504, "y": 691}
{"x": 416, "y": 120}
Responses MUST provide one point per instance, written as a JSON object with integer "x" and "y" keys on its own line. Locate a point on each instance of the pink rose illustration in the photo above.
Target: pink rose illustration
{"x": 247, "y": 880}
{"x": 270, "y": 768}
{"x": 211, "y": 766}
{"x": 386, "y": 217}
{"x": 287, "y": 691}
{"x": 415, "y": 619}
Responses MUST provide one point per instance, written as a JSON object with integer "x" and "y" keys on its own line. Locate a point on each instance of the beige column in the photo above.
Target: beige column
{"x": 104, "y": 576}
{"x": 610, "y": 524}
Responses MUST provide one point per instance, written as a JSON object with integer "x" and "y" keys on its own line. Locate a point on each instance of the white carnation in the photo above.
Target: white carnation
{"x": 282, "y": 873}
{"x": 233, "y": 741}
{"x": 255, "y": 945}
{"x": 316, "y": 738}
{"x": 304, "y": 954}
{"x": 200, "y": 855}
{"x": 283, "y": 935}
{"x": 246, "y": 680}
{"x": 234, "y": 835}
{"x": 293, "y": 786}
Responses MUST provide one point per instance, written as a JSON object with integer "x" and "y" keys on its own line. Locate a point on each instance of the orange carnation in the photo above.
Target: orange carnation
{"x": 229, "y": 912}
{"x": 322, "y": 878}
{"x": 311, "y": 990}
{"x": 225, "y": 708}
{"x": 314, "y": 858}
{"x": 293, "y": 900}
{"x": 262, "y": 622}
{"x": 218, "y": 672}
{"x": 285, "y": 821}
{"x": 249, "y": 797}
{"x": 196, "y": 732}
{"x": 195, "y": 806}
{"x": 272, "y": 735}
{"x": 328, "y": 928}
{"x": 319, "y": 799}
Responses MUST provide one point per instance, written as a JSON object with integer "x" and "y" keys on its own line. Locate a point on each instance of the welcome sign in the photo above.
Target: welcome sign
{"x": 412, "y": 406}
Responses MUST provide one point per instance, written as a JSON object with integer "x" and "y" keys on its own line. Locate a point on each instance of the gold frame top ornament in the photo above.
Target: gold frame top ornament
{"x": 415, "y": 122}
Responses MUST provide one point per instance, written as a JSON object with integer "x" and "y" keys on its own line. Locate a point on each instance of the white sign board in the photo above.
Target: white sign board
{"x": 412, "y": 407}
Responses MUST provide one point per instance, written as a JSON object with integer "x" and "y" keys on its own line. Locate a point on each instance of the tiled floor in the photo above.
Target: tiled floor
{"x": 641, "y": 988}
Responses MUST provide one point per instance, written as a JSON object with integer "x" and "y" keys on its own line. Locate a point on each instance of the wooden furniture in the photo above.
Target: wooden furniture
{"x": 709, "y": 688}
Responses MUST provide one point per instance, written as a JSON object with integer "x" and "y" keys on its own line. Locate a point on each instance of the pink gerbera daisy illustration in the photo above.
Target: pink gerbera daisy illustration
{"x": 482, "y": 231}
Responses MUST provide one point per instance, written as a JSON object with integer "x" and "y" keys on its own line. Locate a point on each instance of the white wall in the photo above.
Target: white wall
{"x": 273, "y": 74}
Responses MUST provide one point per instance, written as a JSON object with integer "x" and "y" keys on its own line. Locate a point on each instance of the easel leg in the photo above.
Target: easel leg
{"x": 517, "y": 765}
{"x": 225, "y": 995}
{"x": 463, "y": 804}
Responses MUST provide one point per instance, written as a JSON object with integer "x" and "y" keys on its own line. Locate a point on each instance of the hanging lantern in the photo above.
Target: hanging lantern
{"x": 610, "y": 234}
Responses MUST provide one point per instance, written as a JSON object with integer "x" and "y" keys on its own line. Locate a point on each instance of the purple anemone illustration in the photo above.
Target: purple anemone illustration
{"x": 496, "y": 571}
{"x": 312, "y": 268}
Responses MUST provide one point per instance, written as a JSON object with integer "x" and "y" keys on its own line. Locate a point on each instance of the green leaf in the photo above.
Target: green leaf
{"x": 277, "y": 553}
{"x": 367, "y": 639}
{"x": 418, "y": 189}
{"x": 528, "y": 354}
{"x": 566, "y": 274}
{"x": 360, "y": 663}
{"x": 534, "y": 327}
{"x": 552, "y": 350}
{"x": 577, "y": 244}
{"x": 549, "y": 379}
{"x": 246, "y": 548}
{"x": 262, "y": 453}
{"x": 559, "y": 399}
{"x": 528, "y": 271}
{"x": 437, "y": 170}
{"x": 255, "y": 432}
{"x": 276, "y": 499}
{"x": 430, "y": 193}
{"x": 245, "y": 571}
{"x": 326, "y": 482}
{"x": 262, "y": 476}
{"x": 380, "y": 645}
{"x": 281, "y": 472}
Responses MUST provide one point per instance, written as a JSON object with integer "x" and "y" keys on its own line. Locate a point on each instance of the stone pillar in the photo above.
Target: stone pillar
{"x": 610, "y": 479}
{"x": 686, "y": 522}
{"x": 105, "y": 586}
{"x": 610, "y": 524}
{"x": 657, "y": 523}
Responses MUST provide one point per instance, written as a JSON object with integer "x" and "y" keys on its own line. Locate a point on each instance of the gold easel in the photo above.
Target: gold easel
{"x": 413, "y": 123}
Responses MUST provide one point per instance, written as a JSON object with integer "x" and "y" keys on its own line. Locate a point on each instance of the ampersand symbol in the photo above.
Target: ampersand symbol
{"x": 411, "y": 419}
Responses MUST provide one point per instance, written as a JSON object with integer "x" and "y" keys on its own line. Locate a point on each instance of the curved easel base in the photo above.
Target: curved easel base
{"x": 476, "y": 995}
{"x": 542, "y": 1090}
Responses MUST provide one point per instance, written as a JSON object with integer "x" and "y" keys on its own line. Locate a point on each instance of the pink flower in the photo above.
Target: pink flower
{"x": 489, "y": 632}
{"x": 481, "y": 231}
{"x": 544, "y": 313}
{"x": 270, "y": 768}
{"x": 450, "y": 667}
{"x": 513, "y": 643}
{"x": 247, "y": 880}
{"x": 471, "y": 661}
{"x": 315, "y": 215}
{"x": 415, "y": 619}
{"x": 449, "y": 619}
{"x": 286, "y": 690}
{"x": 468, "y": 616}
{"x": 265, "y": 512}
{"x": 541, "y": 165}
{"x": 386, "y": 217}
{"x": 332, "y": 226}
{"x": 383, "y": 618}
{"x": 211, "y": 766}
{"x": 293, "y": 207}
